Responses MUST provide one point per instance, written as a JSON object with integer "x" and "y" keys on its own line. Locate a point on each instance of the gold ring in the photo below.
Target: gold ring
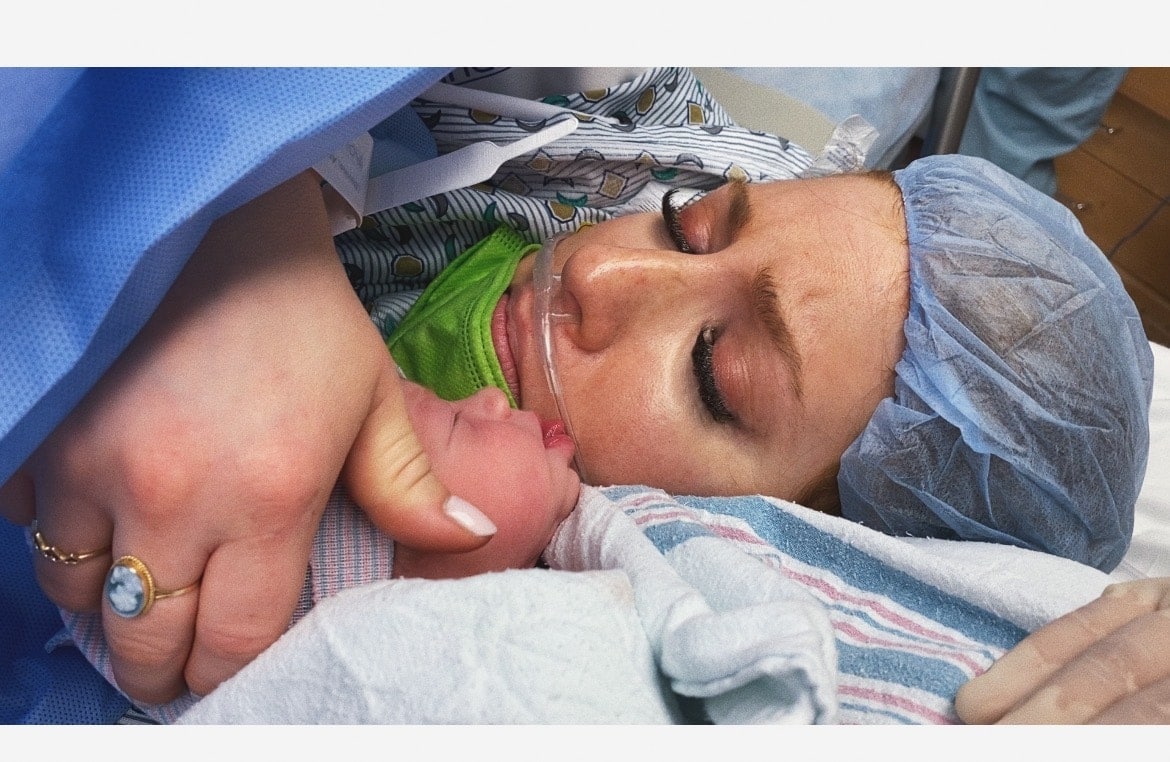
{"x": 130, "y": 588}
{"x": 58, "y": 556}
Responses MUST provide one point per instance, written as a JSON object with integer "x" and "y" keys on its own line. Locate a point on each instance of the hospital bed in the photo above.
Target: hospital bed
{"x": 611, "y": 644}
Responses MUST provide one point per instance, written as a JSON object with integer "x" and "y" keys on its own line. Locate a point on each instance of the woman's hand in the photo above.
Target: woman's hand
{"x": 209, "y": 449}
{"x": 1105, "y": 663}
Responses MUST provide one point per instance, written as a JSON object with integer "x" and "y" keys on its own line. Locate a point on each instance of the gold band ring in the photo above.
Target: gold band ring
{"x": 130, "y": 588}
{"x": 58, "y": 556}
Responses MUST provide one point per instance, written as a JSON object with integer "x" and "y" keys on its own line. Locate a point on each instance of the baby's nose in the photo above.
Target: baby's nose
{"x": 490, "y": 402}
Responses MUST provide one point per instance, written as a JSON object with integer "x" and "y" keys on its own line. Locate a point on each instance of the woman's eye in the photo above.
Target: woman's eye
{"x": 709, "y": 394}
{"x": 673, "y": 225}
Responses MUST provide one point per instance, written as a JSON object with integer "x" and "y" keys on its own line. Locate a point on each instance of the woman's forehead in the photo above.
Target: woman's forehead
{"x": 814, "y": 227}
{"x": 858, "y": 194}
{"x": 839, "y": 248}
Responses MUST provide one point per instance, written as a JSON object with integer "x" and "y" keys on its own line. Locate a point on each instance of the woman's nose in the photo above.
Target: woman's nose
{"x": 621, "y": 291}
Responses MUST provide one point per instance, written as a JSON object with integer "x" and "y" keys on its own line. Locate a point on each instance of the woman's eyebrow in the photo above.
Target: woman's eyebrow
{"x": 768, "y": 310}
{"x": 739, "y": 210}
{"x": 763, "y": 294}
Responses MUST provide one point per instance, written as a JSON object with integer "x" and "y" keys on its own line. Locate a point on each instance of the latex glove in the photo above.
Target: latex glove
{"x": 1105, "y": 663}
{"x": 210, "y": 447}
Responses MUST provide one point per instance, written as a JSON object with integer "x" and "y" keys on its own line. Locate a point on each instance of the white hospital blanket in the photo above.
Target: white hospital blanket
{"x": 531, "y": 646}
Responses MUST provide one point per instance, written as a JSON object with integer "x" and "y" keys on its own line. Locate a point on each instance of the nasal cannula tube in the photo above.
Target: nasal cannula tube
{"x": 546, "y": 286}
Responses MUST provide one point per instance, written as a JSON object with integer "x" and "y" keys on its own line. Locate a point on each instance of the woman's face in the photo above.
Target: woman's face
{"x": 746, "y": 366}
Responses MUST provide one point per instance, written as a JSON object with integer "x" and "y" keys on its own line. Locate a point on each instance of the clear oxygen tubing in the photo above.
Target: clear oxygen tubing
{"x": 547, "y": 305}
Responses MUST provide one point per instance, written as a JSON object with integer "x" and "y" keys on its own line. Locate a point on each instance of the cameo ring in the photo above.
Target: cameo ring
{"x": 58, "y": 556}
{"x": 130, "y": 588}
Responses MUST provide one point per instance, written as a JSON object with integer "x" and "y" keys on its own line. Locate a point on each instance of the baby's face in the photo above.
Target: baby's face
{"x": 508, "y": 463}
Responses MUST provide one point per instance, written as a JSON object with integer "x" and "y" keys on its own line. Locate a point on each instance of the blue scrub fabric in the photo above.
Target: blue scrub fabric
{"x": 108, "y": 180}
{"x": 1023, "y": 118}
{"x": 38, "y": 685}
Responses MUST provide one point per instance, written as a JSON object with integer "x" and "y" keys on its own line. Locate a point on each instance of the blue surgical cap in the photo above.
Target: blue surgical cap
{"x": 1021, "y": 402}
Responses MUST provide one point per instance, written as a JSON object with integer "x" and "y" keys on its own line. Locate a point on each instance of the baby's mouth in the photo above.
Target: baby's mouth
{"x": 503, "y": 347}
{"x": 554, "y": 433}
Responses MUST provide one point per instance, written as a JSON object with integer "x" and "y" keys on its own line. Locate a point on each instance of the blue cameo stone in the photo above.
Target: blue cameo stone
{"x": 125, "y": 590}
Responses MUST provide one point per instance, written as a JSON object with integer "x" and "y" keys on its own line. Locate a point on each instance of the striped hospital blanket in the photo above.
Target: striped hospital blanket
{"x": 904, "y": 646}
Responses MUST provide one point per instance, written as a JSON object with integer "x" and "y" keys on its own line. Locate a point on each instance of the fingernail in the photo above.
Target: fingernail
{"x": 469, "y": 517}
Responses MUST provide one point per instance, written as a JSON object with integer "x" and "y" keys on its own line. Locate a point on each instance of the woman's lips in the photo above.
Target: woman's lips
{"x": 503, "y": 347}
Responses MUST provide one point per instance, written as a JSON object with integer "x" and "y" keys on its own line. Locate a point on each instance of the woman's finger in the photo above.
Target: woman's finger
{"x": 1084, "y": 655}
{"x": 150, "y": 599}
{"x": 1120, "y": 665}
{"x": 71, "y": 541}
{"x": 249, "y": 594}
{"x": 1022, "y": 671}
{"x": 1149, "y": 706}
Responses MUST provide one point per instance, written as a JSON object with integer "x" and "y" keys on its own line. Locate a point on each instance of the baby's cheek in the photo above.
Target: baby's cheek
{"x": 543, "y": 510}
{"x": 525, "y": 522}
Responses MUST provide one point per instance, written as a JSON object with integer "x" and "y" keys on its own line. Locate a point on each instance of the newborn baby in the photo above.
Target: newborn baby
{"x": 507, "y": 462}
